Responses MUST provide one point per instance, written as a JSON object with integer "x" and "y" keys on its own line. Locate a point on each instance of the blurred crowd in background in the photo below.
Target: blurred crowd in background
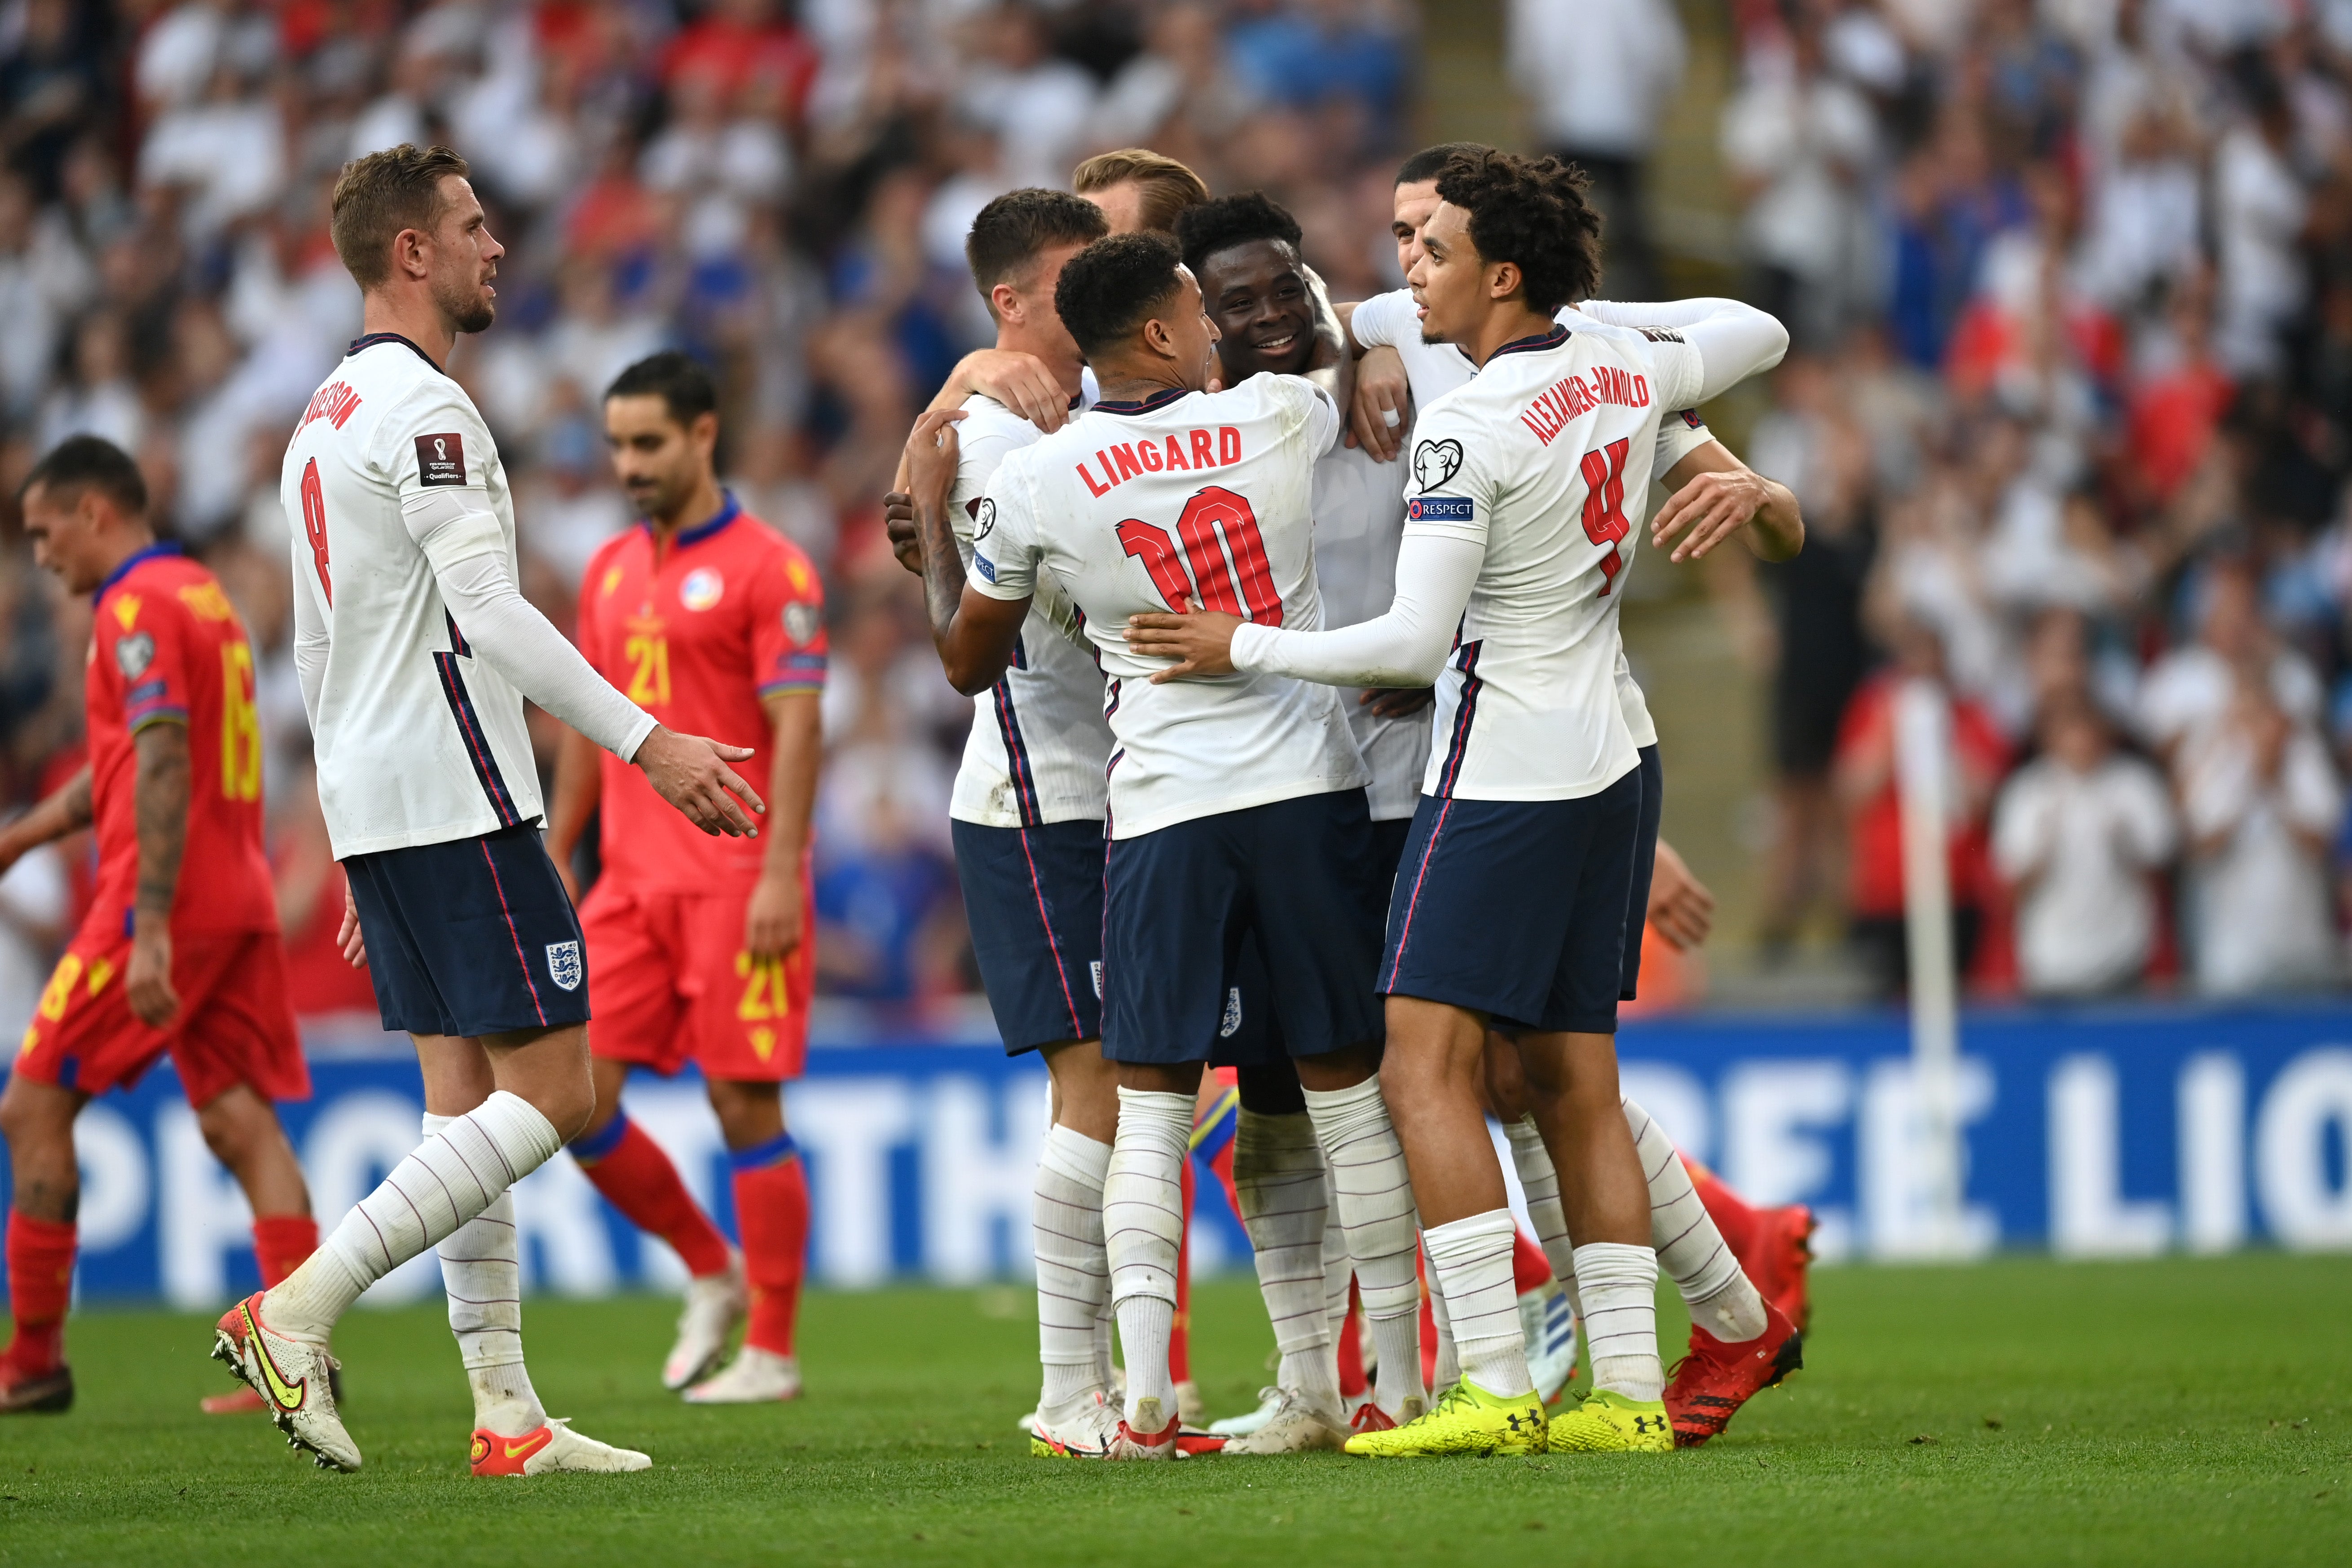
{"x": 782, "y": 188}
{"x": 2069, "y": 409}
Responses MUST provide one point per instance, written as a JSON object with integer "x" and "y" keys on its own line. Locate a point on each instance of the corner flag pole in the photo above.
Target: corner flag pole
{"x": 1923, "y": 754}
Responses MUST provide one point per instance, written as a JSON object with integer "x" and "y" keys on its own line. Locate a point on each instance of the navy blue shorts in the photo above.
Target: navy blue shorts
{"x": 1183, "y": 907}
{"x": 1517, "y": 908}
{"x": 1034, "y": 897}
{"x": 1646, "y": 862}
{"x": 474, "y": 936}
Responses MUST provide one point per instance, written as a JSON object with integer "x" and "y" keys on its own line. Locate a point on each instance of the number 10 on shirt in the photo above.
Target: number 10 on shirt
{"x": 1221, "y": 547}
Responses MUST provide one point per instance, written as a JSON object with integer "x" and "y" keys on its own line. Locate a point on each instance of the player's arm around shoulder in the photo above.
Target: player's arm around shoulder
{"x": 1712, "y": 495}
{"x": 975, "y": 621}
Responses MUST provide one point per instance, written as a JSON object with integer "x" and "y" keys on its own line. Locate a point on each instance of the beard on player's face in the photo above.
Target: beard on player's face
{"x": 465, "y": 303}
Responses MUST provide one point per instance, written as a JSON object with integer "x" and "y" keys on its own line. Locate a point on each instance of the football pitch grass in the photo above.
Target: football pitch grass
{"x": 2024, "y": 1411}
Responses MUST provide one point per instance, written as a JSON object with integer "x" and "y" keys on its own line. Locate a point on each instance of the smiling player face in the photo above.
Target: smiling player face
{"x": 1256, "y": 294}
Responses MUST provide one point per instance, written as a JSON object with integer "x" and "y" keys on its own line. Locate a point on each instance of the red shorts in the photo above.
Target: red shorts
{"x": 671, "y": 982}
{"x": 235, "y": 1023}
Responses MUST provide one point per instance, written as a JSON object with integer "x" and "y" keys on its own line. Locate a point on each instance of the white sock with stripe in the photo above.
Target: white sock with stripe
{"x": 1339, "y": 1271}
{"x": 1445, "y": 1370}
{"x": 445, "y": 1181}
{"x": 1472, "y": 1261}
{"x": 481, "y": 1269}
{"x": 1374, "y": 1197}
{"x": 1689, "y": 1247}
{"x": 1540, "y": 1182}
{"x": 1073, "y": 1271}
{"x": 1278, "y": 1175}
{"x": 1143, "y": 1228}
{"x": 1620, "y": 1324}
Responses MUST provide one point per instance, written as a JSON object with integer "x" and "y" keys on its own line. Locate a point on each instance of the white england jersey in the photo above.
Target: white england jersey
{"x": 1039, "y": 737}
{"x": 1436, "y": 368}
{"x": 1533, "y": 459}
{"x": 418, "y": 741}
{"x": 1136, "y": 507}
{"x": 1359, "y": 522}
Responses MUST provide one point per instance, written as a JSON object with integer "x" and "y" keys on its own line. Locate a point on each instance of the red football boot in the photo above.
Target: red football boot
{"x": 1717, "y": 1378}
{"x": 47, "y": 1392}
{"x": 1783, "y": 1261}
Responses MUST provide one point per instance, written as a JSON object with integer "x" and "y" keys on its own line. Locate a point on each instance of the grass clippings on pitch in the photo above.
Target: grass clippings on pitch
{"x": 2176, "y": 1411}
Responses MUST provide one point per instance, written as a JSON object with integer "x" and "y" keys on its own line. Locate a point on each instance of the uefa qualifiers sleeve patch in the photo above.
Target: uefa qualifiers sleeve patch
{"x": 1440, "y": 508}
{"x": 441, "y": 459}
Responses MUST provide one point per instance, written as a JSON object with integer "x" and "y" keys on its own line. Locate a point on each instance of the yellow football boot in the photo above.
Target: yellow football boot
{"x": 1608, "y": 1422}
{"x": 1467, "y": 1420}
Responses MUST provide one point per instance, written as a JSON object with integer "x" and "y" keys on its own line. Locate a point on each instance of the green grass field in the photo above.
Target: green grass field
{"x": 2182, "y": 1412}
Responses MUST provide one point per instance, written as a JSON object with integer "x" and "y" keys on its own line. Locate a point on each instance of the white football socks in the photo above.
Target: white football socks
{"x": 1472, "y": 1261}
{"x": 1374, "y": 1198}
{"x": 1278, "y": 1175}
{"x": 1073, "y": 1272}
{"x": 481, "y": 1269}
{"x": 1541, "y": 1183}
{"x": 1689, "y": 1247}
{"x": 1620, "y": 1326}
{"x": 1143, "y": 1227}
{"x": 445, "y": 1181}
{"x": 1339, "y": 1271}
{"x": 1446, "y": 1370}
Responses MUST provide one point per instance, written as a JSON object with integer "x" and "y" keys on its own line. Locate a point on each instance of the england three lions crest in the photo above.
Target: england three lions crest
{"x": 1434, "y": 462}
{"x": 563, "y": 964}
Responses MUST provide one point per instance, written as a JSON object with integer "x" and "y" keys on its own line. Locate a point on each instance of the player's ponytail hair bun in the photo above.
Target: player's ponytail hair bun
{"x": 1532, "y": 213}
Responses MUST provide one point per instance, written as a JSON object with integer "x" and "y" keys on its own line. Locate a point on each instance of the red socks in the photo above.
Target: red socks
{"x": 40, "y": 1284}
{"x": 638, "y": 1178}
{"x": 1732, "y": 1215}
{"x": 772, "y": 1214}
{"x": 1528, "y": 1270}
{"x": 280, "y": 1243}
{"x": 1180, "y": 1339}
{"x": 1352, "y": 1381}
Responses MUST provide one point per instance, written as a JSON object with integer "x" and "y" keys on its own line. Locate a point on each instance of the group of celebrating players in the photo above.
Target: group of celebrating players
{"x": 1210, "y": 825}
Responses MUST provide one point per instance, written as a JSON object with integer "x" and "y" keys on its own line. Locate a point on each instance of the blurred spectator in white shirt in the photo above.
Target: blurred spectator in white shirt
{"x": 2261, "y": 804}
{"x": 2191, "y": 687}
{"x": 1797, "y": 141}
{"x": 1598, "y": 75}
{"x": 1038, "y": 104}
{"x": 2259, "y": 210}
{"x": 2076, "y": 833}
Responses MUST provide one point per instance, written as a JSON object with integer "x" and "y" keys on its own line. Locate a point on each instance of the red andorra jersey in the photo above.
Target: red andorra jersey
{"x": 168, "y": 649}
{"x": 733, "y": 613}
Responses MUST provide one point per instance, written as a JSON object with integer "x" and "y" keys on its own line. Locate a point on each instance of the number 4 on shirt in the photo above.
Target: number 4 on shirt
{"x": 1214, "y": 524}
{"x": 1605, "y": 521}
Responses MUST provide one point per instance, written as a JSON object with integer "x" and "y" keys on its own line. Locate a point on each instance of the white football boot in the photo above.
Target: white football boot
{"x": 294, "y": 1379}
{"x": 754, "y": 1378}
{"x": 550, "y": 1448}
{"x": 1294, "y": 1428}
{"x": 1269, "y": 1401}
{"x": 1548, "y": 1326}
{"x": 1084, "y": 1431}
{"x": 715, "y": 1304}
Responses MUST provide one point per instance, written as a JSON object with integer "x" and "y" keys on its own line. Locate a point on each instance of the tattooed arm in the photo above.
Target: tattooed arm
{"x": 160, "y": 802}
{"x": 58, "y": 815}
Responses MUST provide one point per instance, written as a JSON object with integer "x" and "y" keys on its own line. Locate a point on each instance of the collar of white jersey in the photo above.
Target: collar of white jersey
{"x": 372, "y": 339}
{"x": 1160, "y": 399}
{"x": 1537, "y": 343}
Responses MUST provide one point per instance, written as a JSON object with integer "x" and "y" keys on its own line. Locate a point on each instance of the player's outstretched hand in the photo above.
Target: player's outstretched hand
{"x": 1376, "y": 413}
{"x": 933, "y": 449}
{"x": 348, "y": 939}
{"x": 1680, "y": 906}
{"x": 1200, "y": 641}
{"x": 1021, "y": 383}
{"x": 1712, "y": 507}
{"x": 899, "y": 522}
{"x": 1396, "y": 702}
{"x": 147, "y": 983}
{"x": 690, "y": 771}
